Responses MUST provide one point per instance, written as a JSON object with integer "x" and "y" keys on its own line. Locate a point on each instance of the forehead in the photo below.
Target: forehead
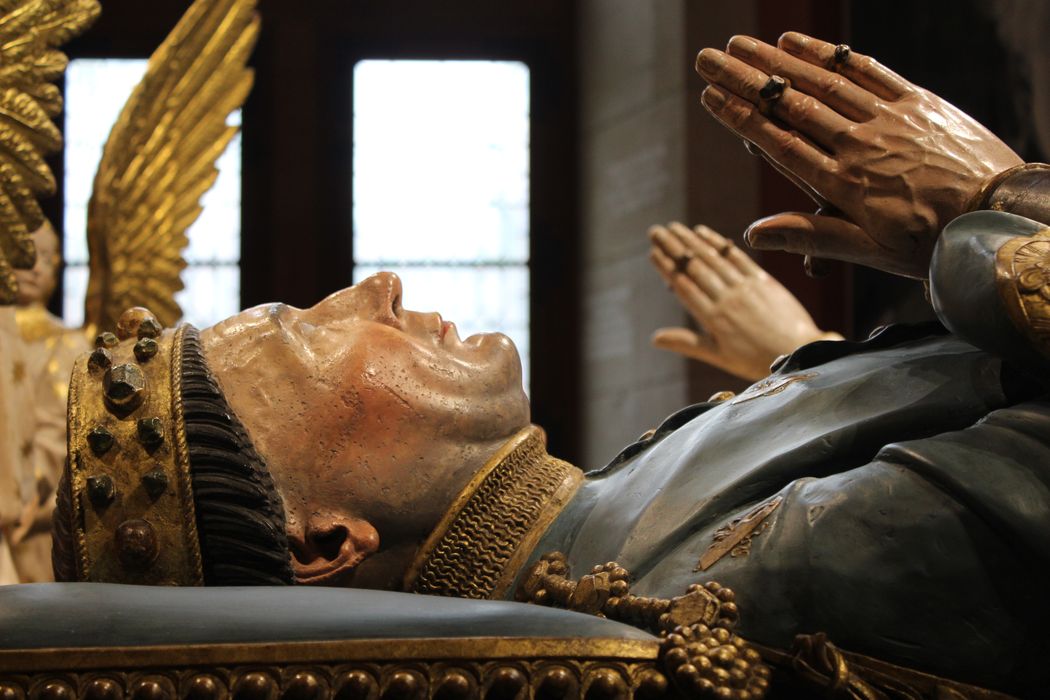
{"x": 255, "y": 319}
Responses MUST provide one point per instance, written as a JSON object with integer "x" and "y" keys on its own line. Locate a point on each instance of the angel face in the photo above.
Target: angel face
{"x": 372, "y": 418}
{"x": 36, "y": 285}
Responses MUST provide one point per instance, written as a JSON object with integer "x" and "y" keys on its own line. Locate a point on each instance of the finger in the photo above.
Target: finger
{"x": 795, "y": 179}
{"x": 707, "y": 254}
{"x": 686, "y": 342}
{"x": 819, "y": 267}
{"x": 862, "y": 70}
{"x": 686, "y": 262}
{"x": 795, "y": 108}
{"x": 814, "y": 235}
{"x": 835, "y": 91}
{"x": 698, "y": 304}
{"x": 787, "y": 148}
{"x": 738, "y": 258}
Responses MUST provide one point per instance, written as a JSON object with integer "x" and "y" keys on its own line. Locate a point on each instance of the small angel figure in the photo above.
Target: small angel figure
{"x": 157, "y": 163}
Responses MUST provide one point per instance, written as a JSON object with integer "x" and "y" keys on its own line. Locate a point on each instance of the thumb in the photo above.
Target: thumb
{"x": 813, "y": 235}
{"x": 686, "y": 342}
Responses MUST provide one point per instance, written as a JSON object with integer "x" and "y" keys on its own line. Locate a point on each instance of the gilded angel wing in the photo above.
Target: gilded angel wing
{"x": 160, "y": 159}
{"x": 30, "y": 31}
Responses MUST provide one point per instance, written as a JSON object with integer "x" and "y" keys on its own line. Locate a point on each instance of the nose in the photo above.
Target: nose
{"x": 375, "y": 298}
{"x": 389, "y": 289}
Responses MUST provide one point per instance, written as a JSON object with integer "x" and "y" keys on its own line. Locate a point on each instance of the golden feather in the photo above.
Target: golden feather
{"x": 29, "y": 32}
{"x": 160, "y": 158}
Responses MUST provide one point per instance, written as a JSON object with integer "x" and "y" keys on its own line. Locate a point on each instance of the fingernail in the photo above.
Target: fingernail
{"x": 790, "y": 40}
{"x": 765, "y": 240}
{"x": 741, "y": 45}
{"x": 708, "y": 62}
{"x": 713, "y": 98}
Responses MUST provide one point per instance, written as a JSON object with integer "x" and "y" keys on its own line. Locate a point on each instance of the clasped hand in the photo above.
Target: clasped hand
{"x": 896, "y": 160}
{"x": 747, "y": 317}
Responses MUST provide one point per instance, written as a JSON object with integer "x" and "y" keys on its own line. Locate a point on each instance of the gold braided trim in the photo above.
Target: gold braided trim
{"x": 1022, "y": 276}
{"x": 487, "y": 535}
{"x": 195, "y": 565}
{"x": 74, "y": 434}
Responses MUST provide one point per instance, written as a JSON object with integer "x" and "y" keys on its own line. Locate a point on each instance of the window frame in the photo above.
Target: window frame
{"x": 554, "y": 331}
{"x": 296, "y": 204}
{"x": 229, "y": 159}
{"x": 467, "y": 269}
{"x": 554, "y": 269}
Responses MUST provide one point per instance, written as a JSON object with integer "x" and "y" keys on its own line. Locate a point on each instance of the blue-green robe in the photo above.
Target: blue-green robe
{"x": 901, "y": 488}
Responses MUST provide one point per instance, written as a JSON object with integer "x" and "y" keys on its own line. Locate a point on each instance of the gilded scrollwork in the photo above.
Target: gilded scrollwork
{"x": 1023, "y": 279}
{"x": 396, "y": 670}
{"x": 735, "y": 538}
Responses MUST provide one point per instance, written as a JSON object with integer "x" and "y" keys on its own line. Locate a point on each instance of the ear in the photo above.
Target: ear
{"x": 329, "y": 547}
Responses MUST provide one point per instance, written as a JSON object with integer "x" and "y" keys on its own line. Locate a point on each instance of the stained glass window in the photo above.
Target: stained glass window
{"x": 441, "y": 188}
{"x": 96, "y": 90}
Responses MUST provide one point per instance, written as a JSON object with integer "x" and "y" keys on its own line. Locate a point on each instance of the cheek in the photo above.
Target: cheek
{"x": 369, "y": 402}
{"x": 384, "y": 398}
{"x": 366, "y": 429}
{"x": 389, "y": 401}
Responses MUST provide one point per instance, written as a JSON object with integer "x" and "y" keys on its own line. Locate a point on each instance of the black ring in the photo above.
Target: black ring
{"x": 841, "y": 57}
{"x": 774, "y": 88}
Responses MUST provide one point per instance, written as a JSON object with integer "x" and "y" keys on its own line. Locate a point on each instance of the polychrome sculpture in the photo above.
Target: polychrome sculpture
{"x": 891, "y": 494}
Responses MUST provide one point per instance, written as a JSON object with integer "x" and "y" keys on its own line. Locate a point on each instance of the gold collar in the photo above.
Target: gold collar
{"x": 485, "y": 538}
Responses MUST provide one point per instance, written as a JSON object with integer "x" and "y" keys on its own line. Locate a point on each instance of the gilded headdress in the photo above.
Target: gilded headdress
{"x": 162, "y": 485}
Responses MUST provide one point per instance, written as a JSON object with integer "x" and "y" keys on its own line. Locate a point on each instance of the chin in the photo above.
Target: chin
{"x": 501, "y": 350}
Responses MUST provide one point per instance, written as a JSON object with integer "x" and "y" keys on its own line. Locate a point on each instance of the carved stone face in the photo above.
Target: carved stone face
{"x": 371, "y": 418}
{"x": 37, "y": 284}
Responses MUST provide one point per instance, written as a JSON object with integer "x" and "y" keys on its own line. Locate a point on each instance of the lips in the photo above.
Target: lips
{"x": 429, "y": 326}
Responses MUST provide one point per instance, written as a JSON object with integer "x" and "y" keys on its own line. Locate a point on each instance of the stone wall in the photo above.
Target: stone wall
{"x": 649, "y": 154}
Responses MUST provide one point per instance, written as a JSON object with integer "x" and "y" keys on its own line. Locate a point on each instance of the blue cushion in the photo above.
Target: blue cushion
{"x": 101, "y": 614}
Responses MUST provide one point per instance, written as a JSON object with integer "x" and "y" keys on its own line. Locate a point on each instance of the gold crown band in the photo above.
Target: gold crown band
{"x": 128, "y": 466}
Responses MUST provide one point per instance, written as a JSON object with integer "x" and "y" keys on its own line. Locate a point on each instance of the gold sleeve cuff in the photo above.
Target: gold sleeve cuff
{"x": 1022, "y": 276}
{"x": 1023, "y": 190}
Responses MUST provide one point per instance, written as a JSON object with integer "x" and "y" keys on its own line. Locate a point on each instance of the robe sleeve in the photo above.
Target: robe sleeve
{"x": 990, "y": 282}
